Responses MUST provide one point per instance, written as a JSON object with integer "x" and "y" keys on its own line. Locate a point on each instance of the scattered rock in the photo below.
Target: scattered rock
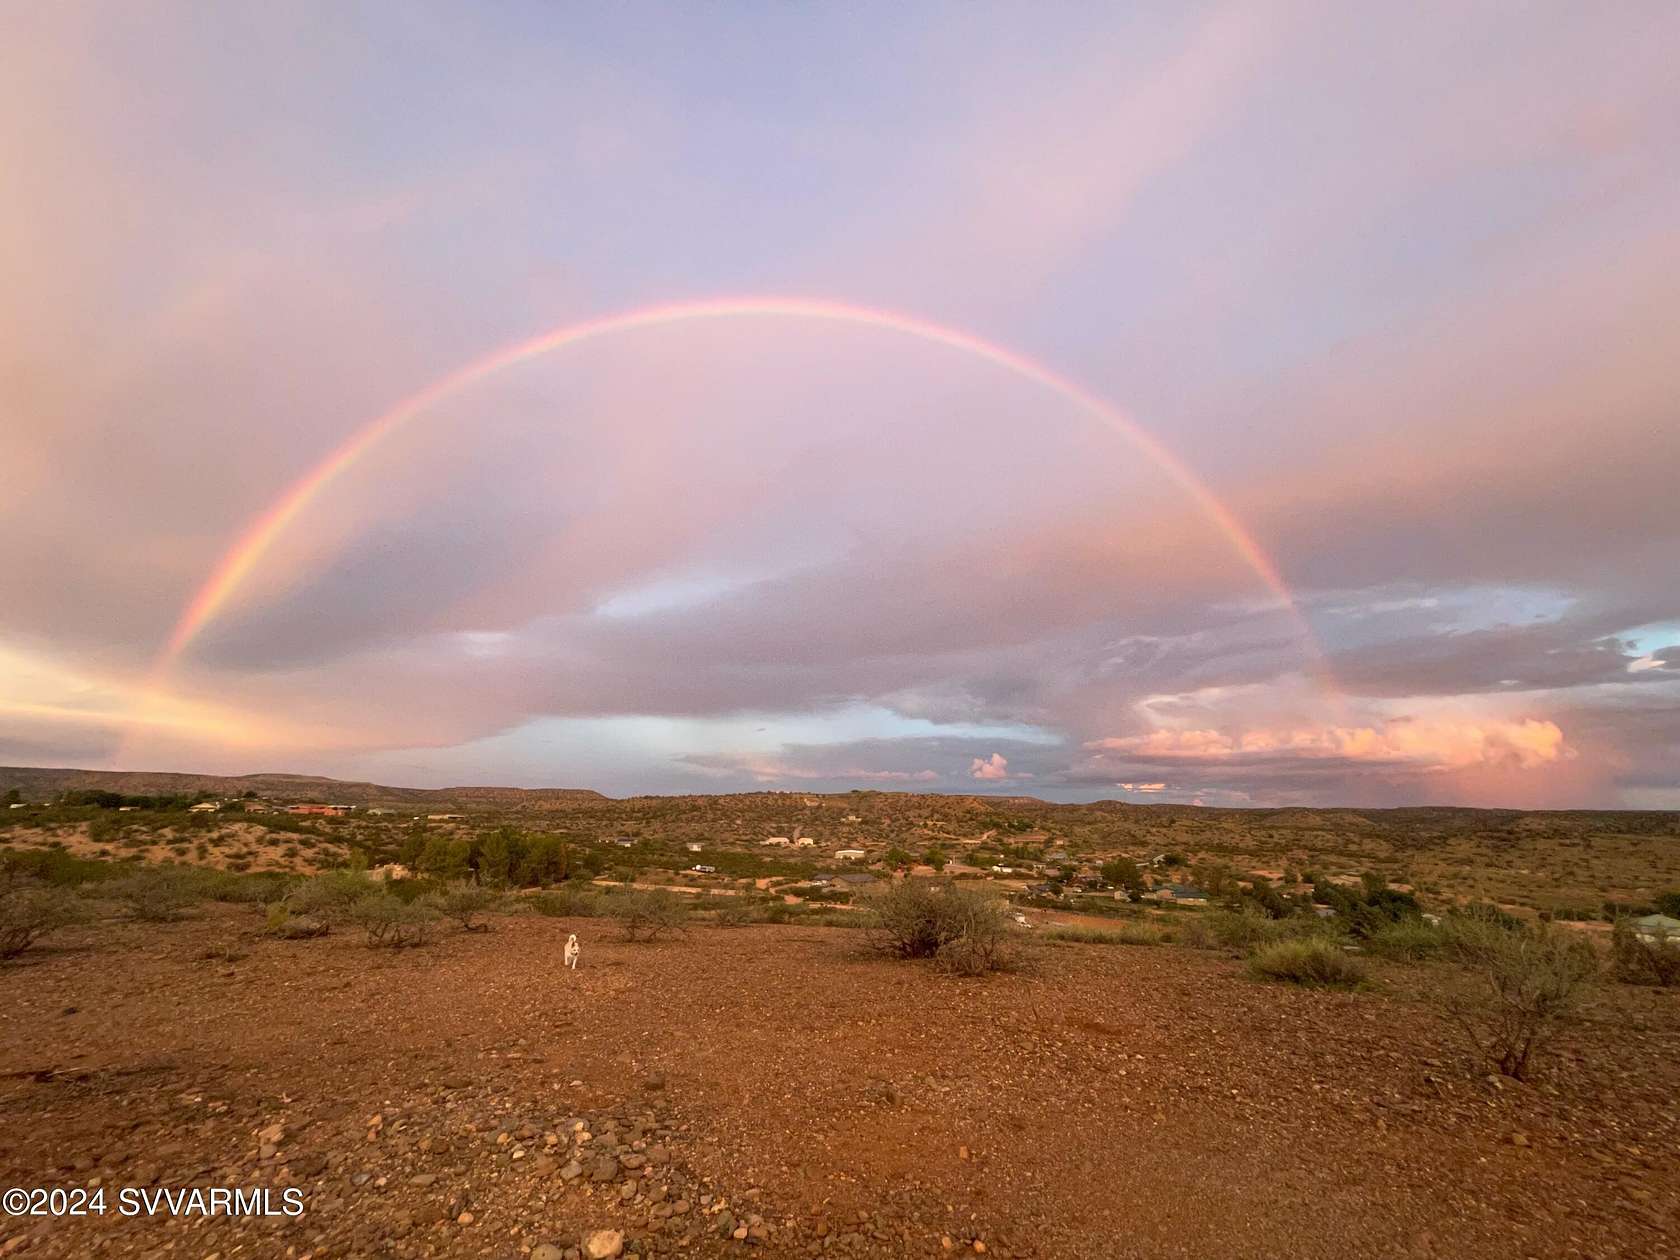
{"x": 603, "y": 1244}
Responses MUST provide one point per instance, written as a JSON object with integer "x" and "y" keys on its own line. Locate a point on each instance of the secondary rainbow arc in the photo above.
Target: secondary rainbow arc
{"x": 239, "y": 561}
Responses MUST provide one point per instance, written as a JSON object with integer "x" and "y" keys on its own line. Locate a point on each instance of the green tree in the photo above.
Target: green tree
{"x": 13, "y": 797}
{"x": 1123, "y": 873}
{"x": 898, "y": 859}
{"x": 444, "y": 859}
{"x": 935, "y": 857}
{"x": 495, "y": 859}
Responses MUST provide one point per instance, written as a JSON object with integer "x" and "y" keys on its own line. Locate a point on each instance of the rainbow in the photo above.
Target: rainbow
{"x": 241, "y": 559}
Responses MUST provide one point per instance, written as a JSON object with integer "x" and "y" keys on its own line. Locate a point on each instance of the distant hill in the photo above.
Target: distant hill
{"x": 38, "y": 784}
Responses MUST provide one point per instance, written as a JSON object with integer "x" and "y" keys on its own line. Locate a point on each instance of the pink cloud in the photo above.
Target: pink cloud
{"x": 1439, "y": 744}
{"x": 991, "y": 768}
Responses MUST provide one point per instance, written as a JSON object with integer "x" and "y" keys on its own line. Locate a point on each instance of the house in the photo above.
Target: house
{"x": 204, "y": 807}
{"x": 1090, "y": 883}
{"x": 820, "y": 881}
{"x": 444, "y": 817}
{"x": 380, "y": 813}
{"x": 805, "y": 842}
{"x": 624, "y": 842}
{"x": 1180, "y": 894}
{"x": 1060, "y": 855}
{"x": 1003, "y": 870}
{"x": 702, "y": 869}
{"x": 694, "y": 847}
{"x": 851, "y": 855}
{"x": 779, "y": 842}
{"x": 1657, "y": 929}
{"x": 851, "y": 818}
{"x": 855, "y": 879}
{"x": 1043, "y": 890}
{"x": 331, "y": 811}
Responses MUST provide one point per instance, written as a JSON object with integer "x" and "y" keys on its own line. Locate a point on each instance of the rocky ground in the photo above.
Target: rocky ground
{"x": 775, "y": 1089}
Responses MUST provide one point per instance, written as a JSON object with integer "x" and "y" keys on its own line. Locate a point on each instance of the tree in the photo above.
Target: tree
{"x": 444, "y": 859}
{"x": 1123, "y": 873}
{"x": 495, "y": 859}
{"x": 898, "y": 859}
{"x": 1669, "y": 904}
{"x": 935, "y": 857}
{"x": 13, "y": 797}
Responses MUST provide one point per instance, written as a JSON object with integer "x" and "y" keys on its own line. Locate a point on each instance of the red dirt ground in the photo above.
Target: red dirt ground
{"x": 1107, "y": 1101}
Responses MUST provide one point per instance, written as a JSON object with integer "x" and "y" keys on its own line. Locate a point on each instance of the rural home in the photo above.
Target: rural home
{"x": 780, "y": 842}
{"x": 204, "y": 807}
{"x": 1180, "y": 894}
{"x": 850, "y": 855}
{"x": 335, "y": 811}
{"x": 445, "y": 817}
{"x": 694, "y": 846}
{"x": 1658, "y": 929}
{"x": 804, "y": 842}
{"x": 855, "y": 879}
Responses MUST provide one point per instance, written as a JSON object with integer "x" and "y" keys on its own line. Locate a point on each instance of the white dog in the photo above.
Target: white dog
{"x": 572, "y": 951}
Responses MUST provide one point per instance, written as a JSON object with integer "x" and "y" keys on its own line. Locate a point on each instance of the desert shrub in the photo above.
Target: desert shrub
{"x": 1410, "y": 940}
{"x": 464, "y": 903}
{"x": 733, "y": 912}
{"x": 157, "y": 894}
{"x": 567, "y": 903}
{"x": 55, "y": 867}
{"x": 391, "y": 923}
{"x": 237, "y": 889}
{"x": 30, "y": 911}
{"x": 1125, "y": 934}
{"x": 1644, "y": 959}
{"x": 1311, "y": 962}
{"x": 644, "y": 915}
{"x": 965, "y": 930}
{"x": 331, "y": 895}
{"x": 1527, "y": 982}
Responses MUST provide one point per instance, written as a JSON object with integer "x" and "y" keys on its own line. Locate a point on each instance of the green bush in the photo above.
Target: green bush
{"x": 1125, "y": 934}
{"x": 156, "y": 894}
{"x": 1311, "y": 962}
{"x": 1644, "y": 959}
{"x": 391, "y": 923}
{"x": 963, "y": 929}
{"x": 331, "y": 895}
{"x": 29, "y": 911}
{"x": 464, "y": 903}
{"x": 1527, "y": 981}
{"x": 568, "y": 903}
{"x": 1411, "y": 940}
{"x": 732, "y": 912}
{"x": 643, "y": 915}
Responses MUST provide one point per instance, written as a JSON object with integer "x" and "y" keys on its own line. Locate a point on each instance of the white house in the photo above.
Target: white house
{"x": 204, "y": 807}
{"x": 804, "y": 842}
{"x": 851, "y": 855}
{"x": 694, "y": 846}
{"x": 780, "y": 842}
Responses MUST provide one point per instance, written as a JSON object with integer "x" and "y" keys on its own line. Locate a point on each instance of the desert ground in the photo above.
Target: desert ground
{"x": 472, "y": 1098}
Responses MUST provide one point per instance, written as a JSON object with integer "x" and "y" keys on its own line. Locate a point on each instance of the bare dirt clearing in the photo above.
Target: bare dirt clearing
{"x": 1109, "y": 1101}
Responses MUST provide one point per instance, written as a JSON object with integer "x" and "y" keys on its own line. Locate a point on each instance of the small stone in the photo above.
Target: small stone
{"x": 572, "y": 1171}
{"x": 604, "y": 1169}
{"x": 422, "y": 1179}
{"x": 465, "y": 1218}
{"x": 654, "y": 1081}
{"x": 545, "y": 1251}
{"x": 603, "y": 1244}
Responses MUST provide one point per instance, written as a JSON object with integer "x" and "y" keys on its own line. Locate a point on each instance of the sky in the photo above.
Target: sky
{"x": 1232, "y": 404}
